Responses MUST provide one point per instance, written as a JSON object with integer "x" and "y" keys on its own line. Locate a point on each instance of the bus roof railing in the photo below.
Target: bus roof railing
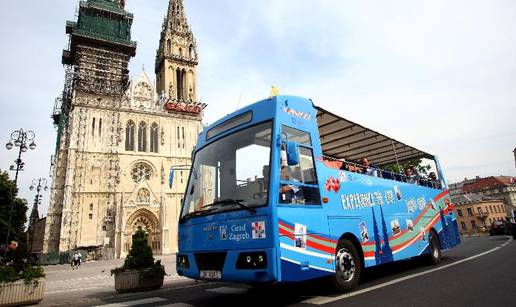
{"x": 380, "y": 172}
{"x": 344, "y": 139}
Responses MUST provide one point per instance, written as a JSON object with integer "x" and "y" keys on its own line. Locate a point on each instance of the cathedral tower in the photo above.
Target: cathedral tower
{"x": 117, "y": 139}
{"x": 176, "y": 57}
{"x": 96, "y": 78}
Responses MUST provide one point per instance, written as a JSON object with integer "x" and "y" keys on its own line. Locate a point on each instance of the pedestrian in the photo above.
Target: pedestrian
{"x": 75, "y": 261}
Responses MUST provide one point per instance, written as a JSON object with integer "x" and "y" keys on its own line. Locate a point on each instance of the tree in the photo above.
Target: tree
{"x": 140, "y": 255}
{"x": 20, "y": 208}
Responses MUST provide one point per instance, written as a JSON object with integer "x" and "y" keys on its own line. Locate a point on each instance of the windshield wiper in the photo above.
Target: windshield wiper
{"x": 195, "y": 213}
{"x": 227, "y": 202}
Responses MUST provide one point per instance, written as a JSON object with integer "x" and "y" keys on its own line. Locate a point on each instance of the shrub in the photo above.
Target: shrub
{"x": 28, "y": 273}
{"x": 140, "y": 257}
{"x": 8, "y": 274}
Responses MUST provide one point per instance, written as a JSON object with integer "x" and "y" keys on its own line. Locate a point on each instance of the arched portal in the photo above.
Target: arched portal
{"x": 149, "y": 223}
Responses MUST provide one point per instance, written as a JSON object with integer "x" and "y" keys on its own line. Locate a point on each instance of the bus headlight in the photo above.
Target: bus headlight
{"x": 251, "y": 260}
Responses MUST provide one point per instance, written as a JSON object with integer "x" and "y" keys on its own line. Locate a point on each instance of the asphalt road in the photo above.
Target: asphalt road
{"x": 481, "y": 271}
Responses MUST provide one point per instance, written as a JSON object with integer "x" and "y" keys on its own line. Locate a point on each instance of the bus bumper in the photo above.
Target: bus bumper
{"x": 253, "y": 266}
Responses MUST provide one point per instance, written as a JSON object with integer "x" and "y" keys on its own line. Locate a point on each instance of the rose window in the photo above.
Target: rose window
{"x": 141, "y": 172}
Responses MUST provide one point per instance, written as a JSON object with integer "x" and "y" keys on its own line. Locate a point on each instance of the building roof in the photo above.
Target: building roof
{"x": 344, "y": 139}
{"x": 488, "y": 183}
{"x": 469, "y": 198}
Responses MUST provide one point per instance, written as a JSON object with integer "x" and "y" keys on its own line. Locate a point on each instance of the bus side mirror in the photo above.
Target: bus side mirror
{"x": 292, "y": 153}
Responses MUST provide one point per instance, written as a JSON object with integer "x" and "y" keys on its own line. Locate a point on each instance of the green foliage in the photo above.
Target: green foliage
{"x": 31, "y": 272}
{"x": 19, "y": 266}
{"x": 417, "y": 163}
{"x": 8, "y": 274}
{"x": 28, "y": 273}
{"x": 140, "y": 257}
{"x": 19, "y": 210}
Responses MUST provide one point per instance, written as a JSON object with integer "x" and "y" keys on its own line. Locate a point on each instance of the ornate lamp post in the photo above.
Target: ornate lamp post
{"x": 20, "y": 139}
{"x": 37, "y": 184}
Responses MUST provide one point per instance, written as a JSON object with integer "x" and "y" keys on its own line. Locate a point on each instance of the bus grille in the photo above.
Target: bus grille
{"x": 210, "y": 261}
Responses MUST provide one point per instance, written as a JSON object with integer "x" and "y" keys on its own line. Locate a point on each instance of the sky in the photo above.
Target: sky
{"x": 438, "y": 75}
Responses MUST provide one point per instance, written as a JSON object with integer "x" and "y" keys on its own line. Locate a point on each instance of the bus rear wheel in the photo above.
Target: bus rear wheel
{"x": 347, "y": 266}
{"x": 435, "y": 249}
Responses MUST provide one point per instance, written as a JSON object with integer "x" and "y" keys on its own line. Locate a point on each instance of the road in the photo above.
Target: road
{"x": 480, "y": 271}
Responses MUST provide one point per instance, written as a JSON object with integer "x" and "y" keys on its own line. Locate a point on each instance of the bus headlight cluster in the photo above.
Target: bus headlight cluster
{"x": 252, "y": 260}
{"x": 182, "y": 262}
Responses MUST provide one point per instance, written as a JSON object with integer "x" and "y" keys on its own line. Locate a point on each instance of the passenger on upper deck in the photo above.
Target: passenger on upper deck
{"x": 368, "y": 169}
{"x": 435, "y": 182}
{"x": 411, "y": 174}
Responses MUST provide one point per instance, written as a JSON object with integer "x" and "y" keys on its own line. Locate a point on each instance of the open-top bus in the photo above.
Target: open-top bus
{"x": 273, "y": 196}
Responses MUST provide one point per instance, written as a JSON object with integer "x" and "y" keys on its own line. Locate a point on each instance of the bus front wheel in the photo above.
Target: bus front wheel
{"x": 435, "y": 249}
{"x": 347, "y": 266}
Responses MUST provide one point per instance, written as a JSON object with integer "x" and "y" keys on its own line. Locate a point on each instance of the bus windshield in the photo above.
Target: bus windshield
{"x": 231, "y": 173}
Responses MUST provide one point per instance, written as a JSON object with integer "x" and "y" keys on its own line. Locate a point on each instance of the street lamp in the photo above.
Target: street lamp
{"x": 19, "y": 138}
{"x": 38, "y": 185}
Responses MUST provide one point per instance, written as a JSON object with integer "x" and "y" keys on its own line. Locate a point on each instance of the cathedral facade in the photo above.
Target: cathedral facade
{"x": 123, "y": 147}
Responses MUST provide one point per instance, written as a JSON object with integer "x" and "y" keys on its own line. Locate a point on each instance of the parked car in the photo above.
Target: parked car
{"x": 498, "y": 228}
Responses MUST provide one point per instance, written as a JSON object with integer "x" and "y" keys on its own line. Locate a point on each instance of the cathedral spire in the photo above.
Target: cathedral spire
{"x": 176, "y": 61}
{"x": 176, "y": 17}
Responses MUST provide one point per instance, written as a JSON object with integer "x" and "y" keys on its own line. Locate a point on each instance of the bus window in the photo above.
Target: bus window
{"x": 298, "y": 183}
{"x": 296, "y": 135}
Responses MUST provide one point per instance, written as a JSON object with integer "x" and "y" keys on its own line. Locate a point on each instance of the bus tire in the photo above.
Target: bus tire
{"x": 434, "y": 257}
{"x": 348, "y": 266}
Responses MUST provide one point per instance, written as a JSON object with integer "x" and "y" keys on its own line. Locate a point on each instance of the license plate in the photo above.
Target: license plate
{"x": 211, "y": 275}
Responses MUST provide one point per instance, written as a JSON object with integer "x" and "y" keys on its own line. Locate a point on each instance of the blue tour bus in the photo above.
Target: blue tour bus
{"x": 275, "y": 195}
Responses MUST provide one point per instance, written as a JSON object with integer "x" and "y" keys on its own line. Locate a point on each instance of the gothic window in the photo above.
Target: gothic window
{"x": 180, "y": 52}
{"x": 100, "y": 127}
{"x": 179, "y": 84}
{"x": 154, "y": 137}
{"x": 141, "y": 172}
{"x": 93, "y": 127}
{"x": 191, "y": 52}
{"x": 129, "y": 136}
{"x": 143, "y": 196}
{"x": 169, "y": 46}
{"x": 142, "y": 136}
{"x": 183, "y": 85}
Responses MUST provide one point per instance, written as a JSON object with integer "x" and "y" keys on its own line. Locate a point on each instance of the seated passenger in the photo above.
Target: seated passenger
{"x": 435, "y": 182}
{"x": 344, "y": 166}
{"x": 288, "y": 192}
{"x": 368, "y": 169}
{"x": 411, "y": 174}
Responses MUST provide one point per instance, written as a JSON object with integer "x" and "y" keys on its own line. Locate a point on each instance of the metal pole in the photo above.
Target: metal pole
{"x": 396, "y": 156}
{"x": 20, "y": 139}
{"x": 18, "y": 163}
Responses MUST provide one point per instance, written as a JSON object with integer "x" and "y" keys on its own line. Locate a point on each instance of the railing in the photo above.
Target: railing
{"x": 381, "y": 173}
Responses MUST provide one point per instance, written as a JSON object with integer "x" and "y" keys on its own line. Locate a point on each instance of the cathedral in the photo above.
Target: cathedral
{"x": 123, "y": 147}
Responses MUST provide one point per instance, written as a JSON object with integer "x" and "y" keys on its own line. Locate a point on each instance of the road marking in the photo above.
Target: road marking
{"x": 176, "y": 305}
{"x": 75, "y": 285}
{"x": 321, "y": 300}
{"x": 227, "y": 290}
{"x": 135, "y": 302}
{"x": 73, "y": 290}
{"x": 507, "y": 242}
